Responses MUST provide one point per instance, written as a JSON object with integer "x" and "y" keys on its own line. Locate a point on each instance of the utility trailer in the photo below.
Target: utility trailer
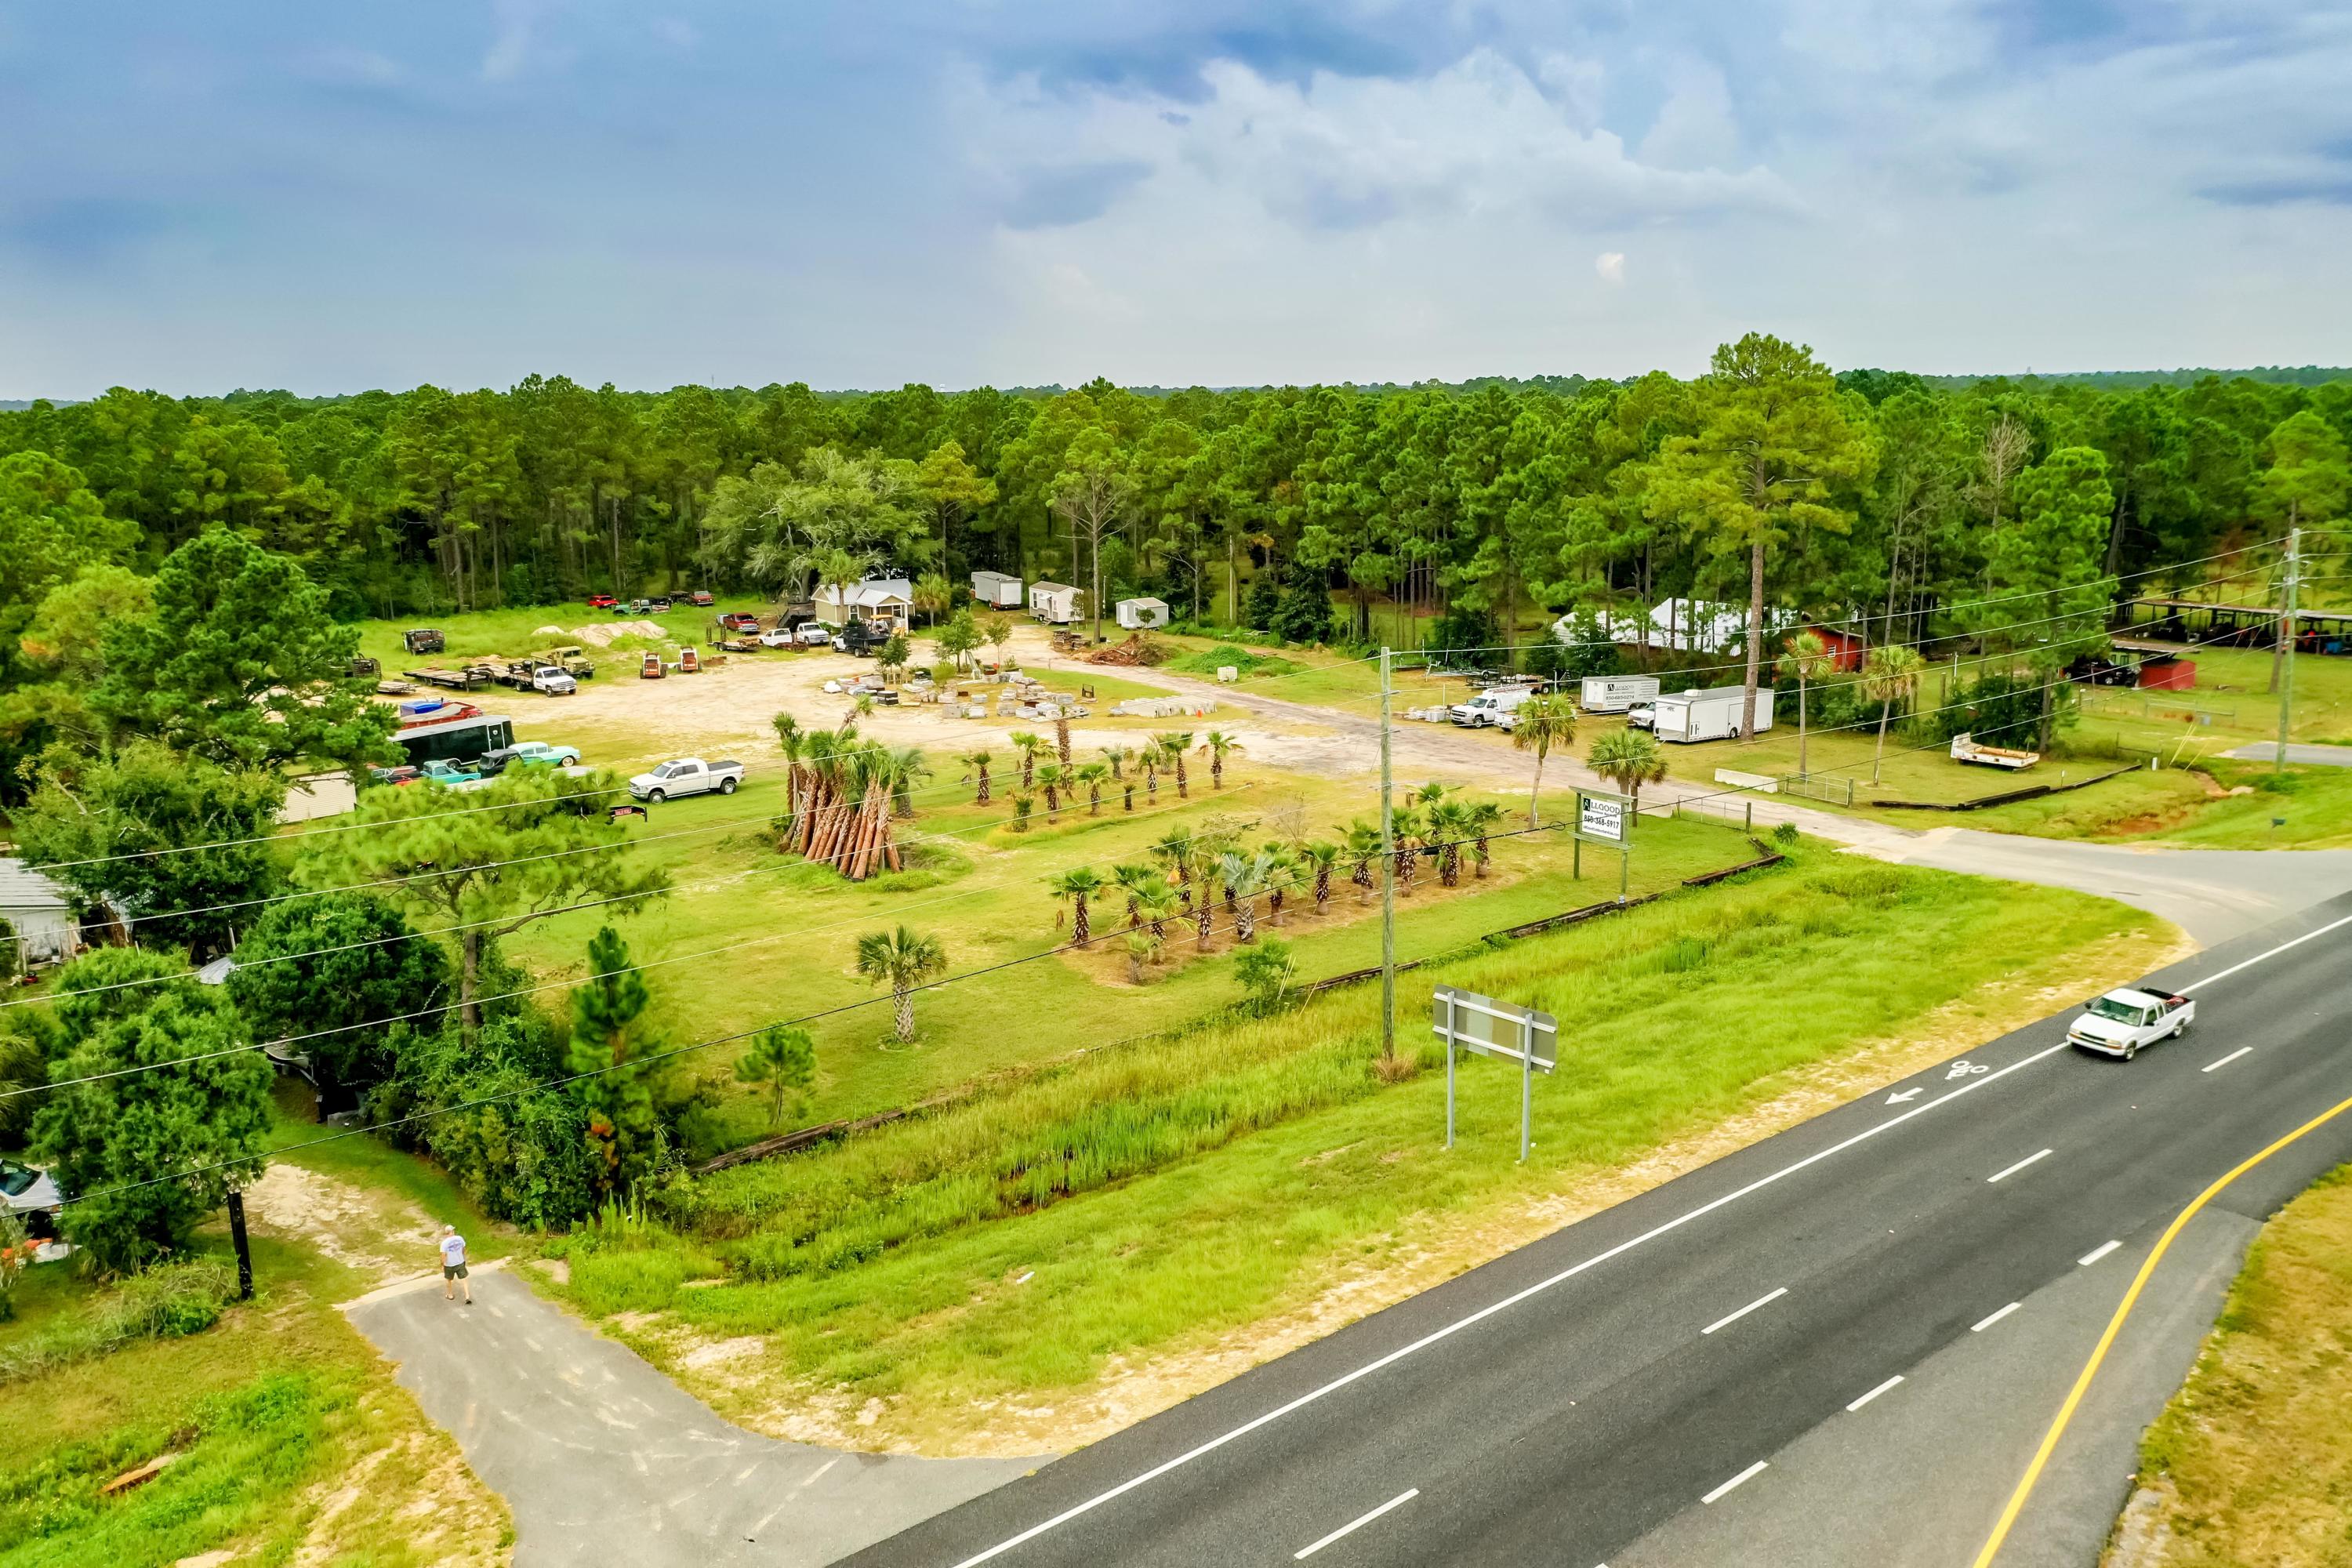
{"x": 1711, "y": 715}
{"x": 473, "y": 677}
{"x": 1615, "y": 693}
{"x": 1967, "y": 749}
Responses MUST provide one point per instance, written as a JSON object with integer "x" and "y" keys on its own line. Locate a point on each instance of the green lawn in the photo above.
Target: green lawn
{"x": 1007, "y": 1253}
{"x": 479, "y": 634}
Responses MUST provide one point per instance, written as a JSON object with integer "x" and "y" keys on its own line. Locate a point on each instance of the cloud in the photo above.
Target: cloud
{"x": 1611, "y": 266}
{"x": 1049, "y": 198}
{"x": 516, "y": 44}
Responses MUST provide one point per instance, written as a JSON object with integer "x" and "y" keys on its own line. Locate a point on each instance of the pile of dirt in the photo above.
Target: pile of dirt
{"x": 602, "y": 634}
{"x": 1138, "y": 649}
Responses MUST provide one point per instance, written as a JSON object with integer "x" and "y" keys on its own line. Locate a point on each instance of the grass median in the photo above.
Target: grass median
{"x": 1065, "y": 1253}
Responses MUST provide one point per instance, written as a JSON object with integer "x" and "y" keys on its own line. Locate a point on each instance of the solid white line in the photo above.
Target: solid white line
{"x": 1354, "y": 1524}
{"x": 2225, "y": 1061}
{"x": 2096, "y": 1253}
{"x": 1743, "y": 1311}
{"x": 2012, "y": 1169}
{"x": 818, "y": 1474}
{"x": 1748, "y": 1474}
{"x": 2274, "y": 953}
{"x": 1469, "y": 1320}
{"x": 1996, "y": 1318}
{"x": 1873, "y": 1394}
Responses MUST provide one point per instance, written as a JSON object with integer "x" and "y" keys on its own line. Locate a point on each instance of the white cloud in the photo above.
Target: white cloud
{"x": 1694, "y": 128}
{"x": 1611, "y": 266}
{"x": 516, "y": 43}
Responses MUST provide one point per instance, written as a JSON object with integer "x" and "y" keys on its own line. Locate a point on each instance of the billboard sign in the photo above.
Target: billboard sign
{"x": 1494, "y": 1028}
{"x": 1602, "y": 818}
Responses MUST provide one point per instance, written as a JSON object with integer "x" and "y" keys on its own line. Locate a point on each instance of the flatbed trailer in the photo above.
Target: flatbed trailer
{"x": 473, "y": 677}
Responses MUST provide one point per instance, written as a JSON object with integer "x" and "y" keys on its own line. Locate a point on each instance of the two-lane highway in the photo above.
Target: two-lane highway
{"x": 1846, "y": 1339}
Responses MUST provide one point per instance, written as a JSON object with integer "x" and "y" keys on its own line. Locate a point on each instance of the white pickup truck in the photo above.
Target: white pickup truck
{"x": 2119, "y": 1023}
{"x": 687, "y": 775}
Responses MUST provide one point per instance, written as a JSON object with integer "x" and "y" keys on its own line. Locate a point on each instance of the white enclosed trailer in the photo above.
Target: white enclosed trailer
{"x": 1615, "y": 693}
{"x": 1710, "y": 715}
{"x": 997, "y": 590}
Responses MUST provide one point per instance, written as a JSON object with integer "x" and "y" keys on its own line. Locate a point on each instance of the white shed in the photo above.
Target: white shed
{"x": 885, "y": 601}
{"x": 997, "y": 590}
{"x": 1135, "y": 614}
{"x": 1057, "y": 602}
{"x": 38, "y": 911}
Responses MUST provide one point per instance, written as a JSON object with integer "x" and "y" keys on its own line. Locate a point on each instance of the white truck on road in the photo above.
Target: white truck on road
{"x": 1497, "y": 706}
{"x": 2119, "y": 1023}
{"x": 685, "y": 775}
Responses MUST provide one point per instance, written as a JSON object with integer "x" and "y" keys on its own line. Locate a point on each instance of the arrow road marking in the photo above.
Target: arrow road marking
{"x": 1900, "y": 1095}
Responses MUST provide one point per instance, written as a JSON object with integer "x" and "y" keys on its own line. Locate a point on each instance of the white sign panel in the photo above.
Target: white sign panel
{"x": 1494, "y": 1028}
{"x": 1599, "y": 818}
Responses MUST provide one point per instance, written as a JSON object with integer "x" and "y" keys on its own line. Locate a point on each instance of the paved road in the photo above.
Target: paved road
{"x": 1579, "y": 1401}
{"x": 2314, "y": 757}
{"x": 602, "y": 1459}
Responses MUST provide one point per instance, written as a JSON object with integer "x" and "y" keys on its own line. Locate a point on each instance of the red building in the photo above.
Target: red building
{"x": 1846, "y": 649}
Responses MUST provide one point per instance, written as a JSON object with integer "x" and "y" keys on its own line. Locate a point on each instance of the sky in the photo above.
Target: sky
{"x": 328, "y": 198}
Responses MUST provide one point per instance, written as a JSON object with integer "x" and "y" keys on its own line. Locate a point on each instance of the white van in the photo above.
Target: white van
{"x": 1499, "y": 707}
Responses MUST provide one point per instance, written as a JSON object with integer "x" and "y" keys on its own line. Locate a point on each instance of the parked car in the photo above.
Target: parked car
{"x": 575, "y": 660}
{"x": 423, "y": 639}
{"x": 402, "y": 774}
{"x": 602, "y": 602}
{"x": 812, "y": 635}
{"x": 1498, "y": 708}
{"x": 641, "y": 606}
{"x": 528, "y": 754}
{"x": 2119, "y": 1023}
{"x": 28, "y": 1189}
{"x": 738, "y": 621}
{"x": 701, "y": 599}
{"x": 554, "y": 681}
{"x": 685, "y": 775}
{"x": 441, "y": 770}
{"x": 659, "y": 605}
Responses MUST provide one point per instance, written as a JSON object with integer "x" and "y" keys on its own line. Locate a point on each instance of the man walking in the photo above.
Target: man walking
{"x": 453, "y": 1266}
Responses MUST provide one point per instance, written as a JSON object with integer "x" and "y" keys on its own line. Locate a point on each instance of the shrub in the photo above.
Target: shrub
{"x": 162, "y": 1303}
{"x": 1210, "y": 660}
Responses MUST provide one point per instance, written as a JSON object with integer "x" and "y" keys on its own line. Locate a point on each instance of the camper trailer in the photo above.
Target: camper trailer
{"x": 1711, "y": 715}
{"x": 1055, "y": 604}
{"x": 997, "y": 590}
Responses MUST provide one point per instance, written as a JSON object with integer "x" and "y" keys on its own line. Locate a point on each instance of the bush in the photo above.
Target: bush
{"x": 1464, "y": 635}
{"x": 164, "y": 1303}
{"x": 1586, "y": 651}
{"x": 1211, "y": 660}
{"x": 518, "y": 1150}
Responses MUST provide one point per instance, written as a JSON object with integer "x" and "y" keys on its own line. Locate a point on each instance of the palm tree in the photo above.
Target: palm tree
{"x": 1156, "y": 905}
{"x": 1542, "y": 723}
{"x": 1321, "y": 855}
{"x": 1628, "y": 759}
{"x": 795, "y": 744}
{"x": 1028, "y": 746}
{"x": 1218, "y": 744}
{"x": 1890, "y": 674}
{"x": 1449, "y": 826}
{"x": 1808, "y": 659}
{"x": 1023, "y": 803}
{"x": 902, "y": 768}
{"x": 1485, "y": 816}
{"x": 1077, "y": 886}
{"x": 1050, "y": 780}
{"x": 976, "y": 763}
{"x": 1118, "y": 757}
{"x": 1094, "y": 776}
{"x": 1405, "y": 831}
{"x": 1362, "y": 848}
{"x": 1142, "y": 948}
{"x": 1149, "y": 758}
{"x": 1174, "y": 849}
{"x": 902, "y": 959}
{"x": 1284, "y": 874}
{"x": 1132, "y": 880}
{"x": 1062, "y": 736}
{"x": 1172, "y": 746}
{"x": 1244, "y": 877}
{"x": 932, "y": 594}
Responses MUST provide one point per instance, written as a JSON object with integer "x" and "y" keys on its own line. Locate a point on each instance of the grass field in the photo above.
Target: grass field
{"x": 2252, "y": 1462}
{"x": 951, "y": 1277}
{"x": 479, "y": 634}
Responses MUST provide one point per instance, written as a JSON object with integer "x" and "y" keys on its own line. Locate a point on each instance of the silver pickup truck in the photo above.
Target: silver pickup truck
{"x": 687, "y": 775}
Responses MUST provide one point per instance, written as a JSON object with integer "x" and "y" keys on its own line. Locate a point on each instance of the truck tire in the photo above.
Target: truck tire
{"x": 656, "y": 796}
{"x": 726, "y": 786}
{"x": 2131, "y": 1049}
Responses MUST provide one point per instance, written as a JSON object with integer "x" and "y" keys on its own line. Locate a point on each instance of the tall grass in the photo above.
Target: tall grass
{"x": 162, "y": 1304}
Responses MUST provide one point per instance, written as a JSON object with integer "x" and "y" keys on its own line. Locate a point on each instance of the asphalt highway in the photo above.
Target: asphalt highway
{"x": 1844, "y": 1341}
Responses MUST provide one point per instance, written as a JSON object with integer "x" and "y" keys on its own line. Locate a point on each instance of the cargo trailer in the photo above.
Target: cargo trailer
{"x": 1615, "y": 693}
{"x": 1711, "y": 715}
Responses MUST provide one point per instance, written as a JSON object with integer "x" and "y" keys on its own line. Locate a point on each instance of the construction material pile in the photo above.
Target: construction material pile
{"x": 1138, "y": 649}
{"x": 843, "y": 793}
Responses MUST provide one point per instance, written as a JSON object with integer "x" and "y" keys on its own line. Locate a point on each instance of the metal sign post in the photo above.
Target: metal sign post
{"x": 1607, "y": 820}
{"x": 1494, "y": 1028}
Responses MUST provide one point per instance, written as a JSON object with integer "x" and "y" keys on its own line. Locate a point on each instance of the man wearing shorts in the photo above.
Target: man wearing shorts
{"x": 453, "y": 1266}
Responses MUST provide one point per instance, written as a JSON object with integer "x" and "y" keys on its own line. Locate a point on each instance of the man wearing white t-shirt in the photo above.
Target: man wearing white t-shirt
{"x": 453, "y": 1266}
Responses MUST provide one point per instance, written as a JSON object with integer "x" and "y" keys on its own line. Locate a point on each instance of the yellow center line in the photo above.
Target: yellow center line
{"x": 2090, "y": 1369}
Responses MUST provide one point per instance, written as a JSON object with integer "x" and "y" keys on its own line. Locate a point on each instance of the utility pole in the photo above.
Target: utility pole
{"x": 2286, "y": 646}
{"x": 236, "y": 1237}
{"x": 1388, "y": 875}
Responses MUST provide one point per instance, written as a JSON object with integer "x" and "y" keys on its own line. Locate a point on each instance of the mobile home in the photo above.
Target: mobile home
{"x": 997, "y": 590}
{"x": 1711, "y": 715}
{"x": 1054, "y": 603}
{"x": 1615, "y": 693}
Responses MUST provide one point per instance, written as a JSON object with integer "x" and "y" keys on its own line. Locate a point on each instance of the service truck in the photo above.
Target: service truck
{"x": 1615, "y": 693}
{"x": 1497, "y": 706}
{"x": 2119, "y": 1023}
{"x": 1711, "y": 715}
{"x": 685, "y": 775}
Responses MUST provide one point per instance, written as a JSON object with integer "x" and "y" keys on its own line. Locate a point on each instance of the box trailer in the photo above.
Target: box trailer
{"x": 1711, "y": 715}
{"x": 1615, "y": 693}
{"x": 997, "y": 590}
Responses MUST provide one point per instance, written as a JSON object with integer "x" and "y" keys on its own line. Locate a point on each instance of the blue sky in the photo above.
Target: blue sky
{"x": 329, "y": 197}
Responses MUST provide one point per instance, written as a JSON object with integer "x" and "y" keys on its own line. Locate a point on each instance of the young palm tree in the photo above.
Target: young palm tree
{"x": 1542, "y": 723}
{"x": 1024, "y": 803}
{"x": 1449, "y": 826}
{"x": 1094, "y": 776}
{"x": 901, "y": 959}
{"x": 1362, "y": 850}
{"x": 1407, "y": 830}
{"x": 933, "y": 594}
{"x": 1628, "y": 759}
{"x": 1142, "y": 948}
{"x": 976, "y": 765}
{"x": 1485, "y": 816}
{"x": 1219, "y": 745}
{"x": 1148, "y": 758}
{"x": 1808, "y": 659}
{"x": 1244, "y": 877}
{"x": 1051, "y": 779}
{"x": 1172, "y": 746}
{"x": 1156, "y": 905}
{"x": 1890, "y": 674}
{"x": 1173, "y": 850}
{"x": 1321, "y": 855}
{"x": 1132, "y": 880}
{"x": 1074, "y": 886}
{"x": 1118, "y": 757}
{"x": 1285, "y": 873}
{"x": 1028, "y": 746}
{"x": 902, "y": 769}
{"x": 1062, "y": 737}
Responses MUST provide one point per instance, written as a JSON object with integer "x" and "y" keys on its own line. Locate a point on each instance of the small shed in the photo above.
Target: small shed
{"x": 1845, "y": 649}
{"x": 1056, "y": 603}
{"x": 997, "y": 590}
{"x": 38, "y": 911}
{"x": 1136, "y": 614}
{"x": 2166, "y": 673}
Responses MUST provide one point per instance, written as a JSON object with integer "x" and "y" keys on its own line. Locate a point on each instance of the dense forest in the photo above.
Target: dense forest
{"x": 1488, "y": 500}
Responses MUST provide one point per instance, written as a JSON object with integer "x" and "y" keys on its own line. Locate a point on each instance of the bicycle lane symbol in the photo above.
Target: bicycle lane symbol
{"x": 1965, "y": 1069}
